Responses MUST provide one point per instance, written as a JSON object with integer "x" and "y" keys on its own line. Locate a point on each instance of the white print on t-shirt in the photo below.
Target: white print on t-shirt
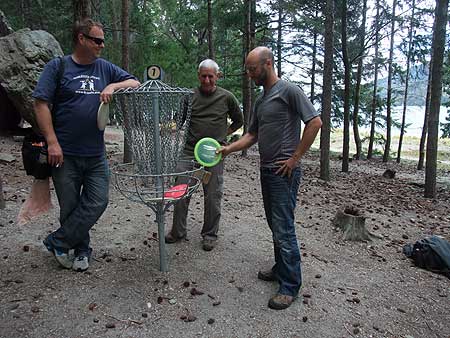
{"x": 87, "y": 84}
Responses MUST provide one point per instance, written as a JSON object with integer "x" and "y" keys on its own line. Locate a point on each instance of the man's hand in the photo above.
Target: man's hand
{"x": 223, "y": 150}
{"x": 286, "y": 167}
{"x": 106, "y": 94}
{"x": 55, "y": 155}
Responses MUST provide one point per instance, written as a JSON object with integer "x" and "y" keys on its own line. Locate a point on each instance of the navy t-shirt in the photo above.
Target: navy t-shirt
{"x": 76, "y": 103}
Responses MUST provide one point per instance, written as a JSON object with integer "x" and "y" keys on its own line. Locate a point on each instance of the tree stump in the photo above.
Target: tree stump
{"x": 353, "y": 225}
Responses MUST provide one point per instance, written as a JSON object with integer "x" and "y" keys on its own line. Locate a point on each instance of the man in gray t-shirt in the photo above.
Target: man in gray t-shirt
{"x": 275, "y": 125}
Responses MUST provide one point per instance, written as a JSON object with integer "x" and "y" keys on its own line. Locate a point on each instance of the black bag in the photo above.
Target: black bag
{"x": 431, "y": 253}
{"x": 34, "y": 147}
{"x": 34, "y": 156}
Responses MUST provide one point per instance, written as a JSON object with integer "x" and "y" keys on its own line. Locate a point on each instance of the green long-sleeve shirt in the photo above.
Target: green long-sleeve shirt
{"x": 209, "y": 117}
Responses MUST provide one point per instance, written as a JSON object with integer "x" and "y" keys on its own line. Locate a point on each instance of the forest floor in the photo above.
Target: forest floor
{"x": 350, "y": 289}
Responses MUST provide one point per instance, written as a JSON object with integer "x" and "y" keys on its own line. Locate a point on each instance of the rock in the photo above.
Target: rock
{"x": 92, "y": 306}
{"x": 7, "y": 158}
{"x": 110, "y": 325}
{"x": 23, "y": 55}
{"x": 196, "y": 292}
{"x": 172, "y": 301}
{"x": 211, "y": 321}
{"x": 305, "y": 319}
{"x": 26, "y": 248}
{"x": 190, "y": 318}
{"x": 216, "y": 303}
{"x": 186, "y": 284}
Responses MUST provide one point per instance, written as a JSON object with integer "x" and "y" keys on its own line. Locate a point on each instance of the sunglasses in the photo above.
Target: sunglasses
{"x": 97, "y": 41}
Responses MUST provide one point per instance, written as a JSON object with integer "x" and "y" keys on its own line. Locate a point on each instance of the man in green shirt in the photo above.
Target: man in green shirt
{"x": 211, "y": 108}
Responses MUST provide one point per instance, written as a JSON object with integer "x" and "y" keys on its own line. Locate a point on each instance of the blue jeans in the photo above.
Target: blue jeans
{"x": 280, "y": 196}
{"x": 82, "y": 187}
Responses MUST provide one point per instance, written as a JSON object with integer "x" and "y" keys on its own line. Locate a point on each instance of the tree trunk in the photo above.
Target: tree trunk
{"x": 5, "y": 28}
{"x": 127, "y": 153}
{"x": 279, "y": 37}
{"x": 81, "y": 9}
{"x": 375, "y": 84}
{"x": 314, "y": 62}
{"x": 115, "y": 33}
{"x": 211, "y": 53}
{"x": 326, "y": 96}
{"x": 423, "y": 137}
{"x": 347, "y": 70}
{"x": 358, "y": 84}
{"x": 248, "y": 38}
{"x": 438, "y": 48}
{"x": 405, "y": 97}
{"x": 387, "y": 147}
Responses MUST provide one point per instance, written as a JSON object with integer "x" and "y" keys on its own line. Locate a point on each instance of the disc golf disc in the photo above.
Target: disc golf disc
{"x": 176, "y": 191}
{"x": 102, "y": 115}
{"x": 205, "y": 152}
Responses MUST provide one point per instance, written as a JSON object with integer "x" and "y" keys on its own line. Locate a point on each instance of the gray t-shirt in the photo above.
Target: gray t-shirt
{"x": 276, "y": 121}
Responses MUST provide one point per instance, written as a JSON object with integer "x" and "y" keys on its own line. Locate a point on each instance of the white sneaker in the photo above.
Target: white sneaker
{"x": 81, "y": 263}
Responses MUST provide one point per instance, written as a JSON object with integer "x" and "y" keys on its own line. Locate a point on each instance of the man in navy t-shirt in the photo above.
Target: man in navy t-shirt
{"x": 76, "y": 148}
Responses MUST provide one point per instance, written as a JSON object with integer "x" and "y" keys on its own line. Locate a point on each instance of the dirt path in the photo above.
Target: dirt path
{"x": 349, "y": 290}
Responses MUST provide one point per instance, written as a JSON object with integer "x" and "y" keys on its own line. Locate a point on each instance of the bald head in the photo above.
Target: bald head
{"x": 261, "y": 54}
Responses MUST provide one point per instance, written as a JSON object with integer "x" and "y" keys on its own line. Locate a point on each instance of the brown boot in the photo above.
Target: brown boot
{"x": 170, "y": 239}
{"x": 280, "y": 302}
{"x": 267, "y": 275}
{"x": 209, "y": 244}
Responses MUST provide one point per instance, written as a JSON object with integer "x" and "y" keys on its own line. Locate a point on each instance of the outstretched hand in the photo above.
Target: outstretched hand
{"x": 223, "y": 150}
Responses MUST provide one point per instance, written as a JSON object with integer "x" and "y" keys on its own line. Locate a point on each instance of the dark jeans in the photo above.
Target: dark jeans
{"x": 280, "y": 196}
{"x": 82, "y": 187}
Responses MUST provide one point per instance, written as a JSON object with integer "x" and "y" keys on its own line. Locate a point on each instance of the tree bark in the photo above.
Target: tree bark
{"x": 5, "y": 28}
{"x": 326, "y": 96}
{"x": 248, "y": 38}
{"x": 127, "y": 153}
{"x": 279, "y": 37}
{"x": 358, "y": 84}
{"x": 405, "y": 97}
{"x": 352, "y": 224}
{"x": 438, "y": 48}
{"x": 347, "y": 70}
{"x": 387, "y": 147}
{"x": 81, "y": 9}
{"x": 211, "y": 52}
{"x": 314, "y": 62}
{"x": 423, "y": 137}
{"x": 375, "y": 83}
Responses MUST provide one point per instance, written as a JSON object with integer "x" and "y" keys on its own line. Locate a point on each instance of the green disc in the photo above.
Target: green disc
{"x": 205, "y": 152}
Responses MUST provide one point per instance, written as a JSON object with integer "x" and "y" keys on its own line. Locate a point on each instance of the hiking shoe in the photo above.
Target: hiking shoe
{"x": 209, "y": 244}
{"x": 267, "y": 275}
{"x": 280, "y": 302}
{"x": 81, "y": 263}
{"x": 63, "y": 258}
{"x": 170, "y": 239}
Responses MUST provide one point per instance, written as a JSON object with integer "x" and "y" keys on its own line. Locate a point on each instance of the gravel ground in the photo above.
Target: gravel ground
{"x": 350, "y": 289}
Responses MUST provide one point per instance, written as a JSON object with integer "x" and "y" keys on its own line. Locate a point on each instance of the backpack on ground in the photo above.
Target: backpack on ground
{"x": 431, "y": 253}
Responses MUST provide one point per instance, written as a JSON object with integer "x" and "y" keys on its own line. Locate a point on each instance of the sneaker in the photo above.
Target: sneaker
{"x": 209, "y": 244}
{"x": 170, "y": 239}
{"x": 63, "y": 258}
{"x": 81, "y": 263}
{"x": 280, "y": 302}
{"x": 267, "y": 275}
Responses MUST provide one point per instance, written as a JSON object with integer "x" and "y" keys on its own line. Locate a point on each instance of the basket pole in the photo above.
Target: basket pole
{"x": 159, "y": 185}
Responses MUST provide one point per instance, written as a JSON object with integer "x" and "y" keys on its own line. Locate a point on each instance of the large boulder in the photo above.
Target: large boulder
{"x": 23, "y": 55}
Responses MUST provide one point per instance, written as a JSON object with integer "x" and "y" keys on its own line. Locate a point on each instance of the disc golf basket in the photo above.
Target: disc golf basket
{"x": 155, "y": 118}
